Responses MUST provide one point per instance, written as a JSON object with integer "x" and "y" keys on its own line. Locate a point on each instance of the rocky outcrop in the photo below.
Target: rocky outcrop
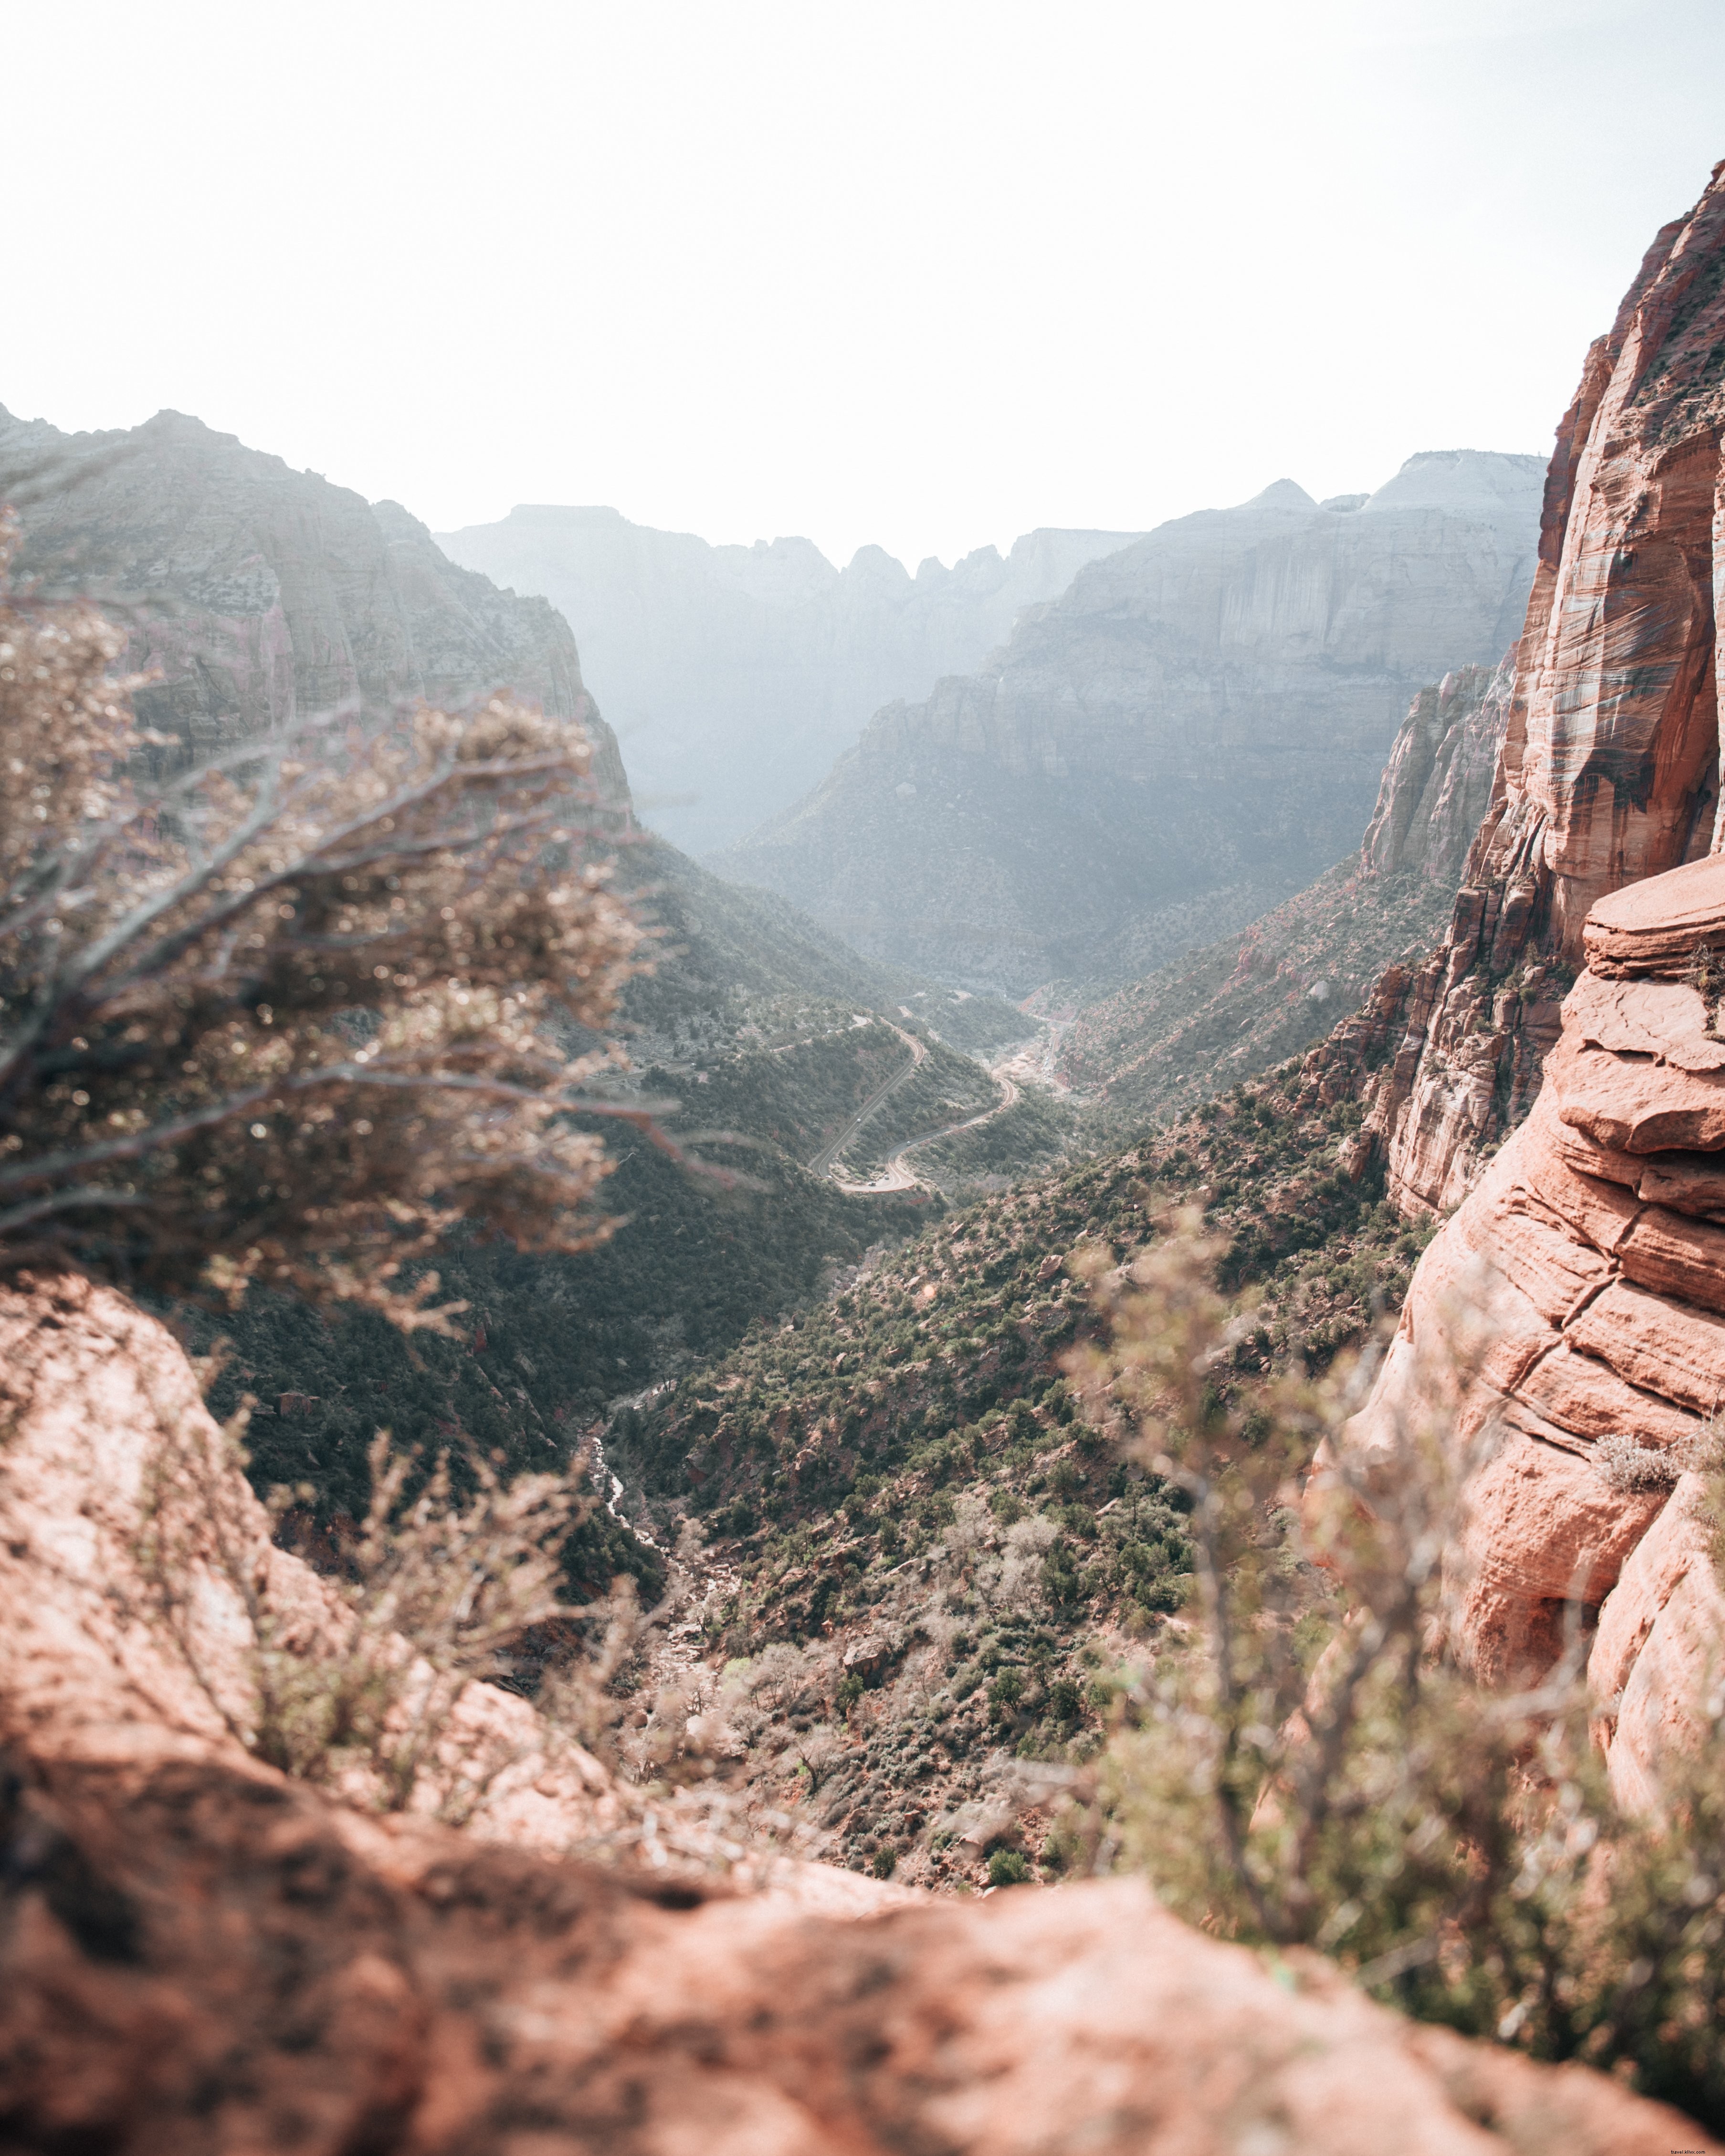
{"x": 1595, "y": 1246}
{"x": 736, "y": 674}
{"x": 1240, "y": 1006}
{"x": 1191, "y": 735}
{"x": 1609, "y": 772}
{"x": 199, "y": 1955}
{"x": 257, "y": 593}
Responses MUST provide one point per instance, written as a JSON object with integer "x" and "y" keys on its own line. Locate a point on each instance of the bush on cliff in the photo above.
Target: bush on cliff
{"x": 1322, "y": 1775}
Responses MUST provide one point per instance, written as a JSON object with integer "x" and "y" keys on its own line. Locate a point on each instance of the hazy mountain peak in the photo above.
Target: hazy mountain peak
{"x": 1282, "y": 493}
{"x": 1462, "y": 480}
{"x": 737, "y": 673}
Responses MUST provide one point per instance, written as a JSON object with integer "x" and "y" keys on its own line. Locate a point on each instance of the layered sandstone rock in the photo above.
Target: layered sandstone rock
{"x": 110, "y": 1462}
{"x": 1610, "y": 769}
{"x": 1594, "y": 1246}
{"x": 259, "y": 592}
{"x": 199, "y": 1956}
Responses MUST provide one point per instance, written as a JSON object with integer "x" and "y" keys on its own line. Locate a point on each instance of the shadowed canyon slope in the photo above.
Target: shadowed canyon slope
{"x": 262, "y": 594}
{"x": 736, "y": 674}
{"x": 1235, "y": 1008}
{"x": 1190, "y": 734}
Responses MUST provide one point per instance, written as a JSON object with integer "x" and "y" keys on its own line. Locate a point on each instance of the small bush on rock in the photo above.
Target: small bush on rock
{"x": 1323, "y": 1774}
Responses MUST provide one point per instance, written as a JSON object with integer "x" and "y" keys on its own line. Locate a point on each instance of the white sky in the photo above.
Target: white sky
{"x": 923, "y": 272}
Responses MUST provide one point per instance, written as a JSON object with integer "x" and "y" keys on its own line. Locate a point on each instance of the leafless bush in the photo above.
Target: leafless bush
{"x": 1625, "y": 1464}
{"x": 360, "y": 1680}
{"x": 288, "y": 1015}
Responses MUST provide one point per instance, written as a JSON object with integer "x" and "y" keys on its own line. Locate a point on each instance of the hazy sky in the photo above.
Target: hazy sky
{"x": 927, "y": 274}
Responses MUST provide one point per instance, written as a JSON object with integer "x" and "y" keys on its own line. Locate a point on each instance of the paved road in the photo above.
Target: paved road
{"x": 822, "y": 1163}
{"x": 897, "y": 1174}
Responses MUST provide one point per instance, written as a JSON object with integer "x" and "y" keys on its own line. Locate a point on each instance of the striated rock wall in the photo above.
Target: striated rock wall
{"x": 1437, "y": 785}
{"x": 198, "y": 1955}
{"x": 260, "y": 591}
{"x": 1595, "y": 1242}
{"x": 1609, "y": 766}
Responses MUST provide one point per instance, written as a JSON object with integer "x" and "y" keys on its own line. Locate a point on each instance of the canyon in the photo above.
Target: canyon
{"x": 736, "y": 674}
{"x": 1159, "y": 1046}
{"x": 197, "y": 1950}
{"x": 1188, "y": 736}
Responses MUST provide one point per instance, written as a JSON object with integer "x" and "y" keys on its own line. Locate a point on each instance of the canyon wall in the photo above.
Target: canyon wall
{"x": 1592, "y": 1250}
{"x": 1609, "y": 771}
{"x": 1159, "y": 1046}
{"x": 736, "y": 674}
{"x": 258, "y": 592}
{"x": 1188, "y": 737}
{"x": 1575, "y": 1005}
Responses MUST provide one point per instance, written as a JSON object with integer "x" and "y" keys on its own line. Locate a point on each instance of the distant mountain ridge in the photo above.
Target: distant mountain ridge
{"x": 267, "y": 592}
{"x": 736, "y": 675}
{"x": 1190, "y": 735}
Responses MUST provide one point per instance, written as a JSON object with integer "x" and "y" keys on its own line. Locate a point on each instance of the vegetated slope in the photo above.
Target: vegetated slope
{"x": 1246, "y": 1002}
{"x": 1035, "y": 1132}
{"x": 725, "y": 951}
{"x": 734, "y": 675}
{"x": 1188, "y": 736}
{"x": 737, "y": 1036}
{"x": 936, "y": 1563}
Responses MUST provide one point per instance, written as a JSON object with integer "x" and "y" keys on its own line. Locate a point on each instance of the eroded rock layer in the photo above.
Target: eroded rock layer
{"x": 1594, "y": 1246}
{"x": 1610, "y": 768}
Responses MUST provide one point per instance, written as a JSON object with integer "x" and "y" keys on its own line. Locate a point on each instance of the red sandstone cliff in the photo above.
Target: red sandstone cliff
{"x": 1594, "y": 1244}
{"x": 1610, "y": 768}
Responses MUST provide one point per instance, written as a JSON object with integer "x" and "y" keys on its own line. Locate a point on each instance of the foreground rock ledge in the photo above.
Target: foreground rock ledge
{"x": 198, "y": 1955}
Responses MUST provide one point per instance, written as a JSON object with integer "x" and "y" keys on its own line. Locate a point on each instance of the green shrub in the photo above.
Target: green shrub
{"x": 1445, "y": 1845}
{"x": 1007, "y": 1867}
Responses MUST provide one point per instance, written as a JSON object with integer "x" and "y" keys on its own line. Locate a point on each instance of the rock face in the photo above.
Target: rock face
{"x": 736, "y": 674}
{"x": 262, "y": 592}
{"x": 1595, "y": 1242}
{"x": 1188, "y": 736}
{"x": 1160, "y": 1046}
{"x": 198, "y": 1955}
{"x": 1609, "y": 766}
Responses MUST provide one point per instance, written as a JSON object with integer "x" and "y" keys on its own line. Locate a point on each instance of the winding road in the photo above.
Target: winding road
{"x": 822, "y": 1163}
{"x": 897, "y": 1173}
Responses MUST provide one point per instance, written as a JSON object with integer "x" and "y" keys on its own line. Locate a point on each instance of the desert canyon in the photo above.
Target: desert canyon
{"x": 200, "y": 1952}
